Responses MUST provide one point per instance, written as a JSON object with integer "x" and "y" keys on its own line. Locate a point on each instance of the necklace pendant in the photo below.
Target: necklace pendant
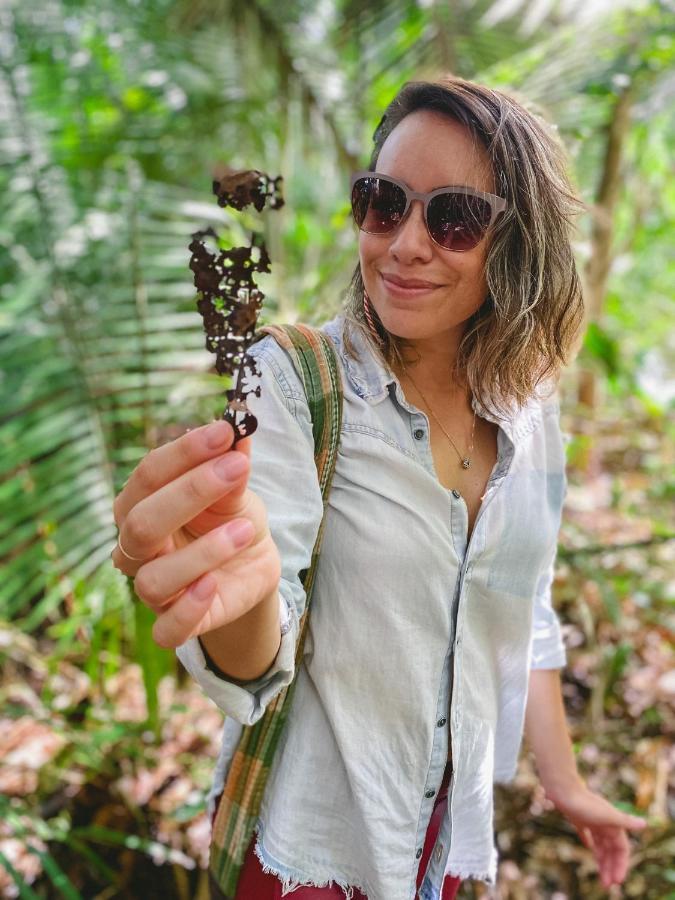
{"x": 466, "y": 462}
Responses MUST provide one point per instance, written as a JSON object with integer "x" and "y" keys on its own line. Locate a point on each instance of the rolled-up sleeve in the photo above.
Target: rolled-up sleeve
{"x": 548, "y": 648}
{"x": 283, "y": 474}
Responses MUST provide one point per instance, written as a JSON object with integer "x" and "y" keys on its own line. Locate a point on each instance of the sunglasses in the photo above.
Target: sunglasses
{"x": 457, "y": 217}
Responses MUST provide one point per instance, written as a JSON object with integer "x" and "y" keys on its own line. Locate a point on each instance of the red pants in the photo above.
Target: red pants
{"x": 254, "y": 884}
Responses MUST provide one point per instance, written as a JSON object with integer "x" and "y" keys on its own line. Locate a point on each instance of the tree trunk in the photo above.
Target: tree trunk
{"x": 600, "y": 260}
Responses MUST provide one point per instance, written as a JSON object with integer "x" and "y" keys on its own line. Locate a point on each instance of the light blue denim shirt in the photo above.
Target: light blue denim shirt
{"x": 406, "y": 615}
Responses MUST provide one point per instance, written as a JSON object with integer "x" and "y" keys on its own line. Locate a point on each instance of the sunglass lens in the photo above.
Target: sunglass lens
{"x": 458, "y": 221}
{"x": 377, "y": 205}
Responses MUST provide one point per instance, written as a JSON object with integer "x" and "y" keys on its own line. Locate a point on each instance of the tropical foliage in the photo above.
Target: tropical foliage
{"x": 113, "y": 116}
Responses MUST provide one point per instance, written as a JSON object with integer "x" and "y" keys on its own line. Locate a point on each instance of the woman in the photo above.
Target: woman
{"x": 432, "y": 638}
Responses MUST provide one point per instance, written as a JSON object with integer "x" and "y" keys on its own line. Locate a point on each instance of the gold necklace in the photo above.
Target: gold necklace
{"x": 465, "y": 461}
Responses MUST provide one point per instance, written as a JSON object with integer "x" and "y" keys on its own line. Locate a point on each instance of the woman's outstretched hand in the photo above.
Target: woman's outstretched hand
{"x": 602, "y": 828}
{"x": 204, "y": 552}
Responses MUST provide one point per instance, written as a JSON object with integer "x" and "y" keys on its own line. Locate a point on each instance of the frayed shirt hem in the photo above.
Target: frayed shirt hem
{"x": 465, "y": 873}
{"x": 475, "y": 871}
{"x": 293, "y": 880}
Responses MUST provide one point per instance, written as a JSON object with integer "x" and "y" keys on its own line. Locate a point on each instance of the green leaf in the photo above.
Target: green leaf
{"x": 155, "y": 662}
{"x": 57, "y": 876}
{"x": 25, "y": 892}
{"x": 81, "y": 849}
{"x": 603, "y": 348}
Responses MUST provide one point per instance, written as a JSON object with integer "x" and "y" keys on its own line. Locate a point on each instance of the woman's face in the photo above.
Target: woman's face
{"x": 427, "y": 150}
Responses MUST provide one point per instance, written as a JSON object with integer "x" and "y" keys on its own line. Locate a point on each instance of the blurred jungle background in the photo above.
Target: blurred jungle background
{"x": 114, "y": 115}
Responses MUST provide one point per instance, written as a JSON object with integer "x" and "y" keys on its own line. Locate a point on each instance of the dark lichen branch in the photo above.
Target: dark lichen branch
{"x": 228, "y": 298}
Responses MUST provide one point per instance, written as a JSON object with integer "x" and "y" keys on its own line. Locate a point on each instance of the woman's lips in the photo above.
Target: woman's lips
{"x": 399, "y": 290}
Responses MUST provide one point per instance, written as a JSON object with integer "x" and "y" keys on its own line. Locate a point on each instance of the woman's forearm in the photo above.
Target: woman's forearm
{"x": 547, "y": 733}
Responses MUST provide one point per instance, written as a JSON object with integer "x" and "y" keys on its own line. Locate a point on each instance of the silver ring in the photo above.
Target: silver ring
{"x": 128, "y": 555}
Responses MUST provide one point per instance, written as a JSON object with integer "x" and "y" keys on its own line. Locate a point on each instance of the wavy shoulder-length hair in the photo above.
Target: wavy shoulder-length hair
{"x": 525, "y": 330}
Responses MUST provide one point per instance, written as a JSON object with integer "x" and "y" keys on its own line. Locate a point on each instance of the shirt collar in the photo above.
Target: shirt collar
{"x": 374, "y": 381}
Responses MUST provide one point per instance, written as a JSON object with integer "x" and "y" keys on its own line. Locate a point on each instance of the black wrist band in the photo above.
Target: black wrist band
{"x": 212, "y": 667}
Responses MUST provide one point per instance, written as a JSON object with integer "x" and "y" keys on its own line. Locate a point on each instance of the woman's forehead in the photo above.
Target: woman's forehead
{"x": 428, "y": 150}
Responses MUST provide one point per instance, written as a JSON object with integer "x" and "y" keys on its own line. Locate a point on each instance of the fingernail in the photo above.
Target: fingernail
{"x": 217, "y": 433}
{"x": 231, "y": 466}
{"x": 240, "y": 532}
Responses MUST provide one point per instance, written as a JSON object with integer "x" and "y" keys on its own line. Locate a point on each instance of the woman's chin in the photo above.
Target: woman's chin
{"x": 419, "y": 324}
{"x": 410, "y": 319}
{"x": 406, "y": 327}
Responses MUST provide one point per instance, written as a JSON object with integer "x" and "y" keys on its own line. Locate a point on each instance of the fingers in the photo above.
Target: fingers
{"x": 183, "y": 619}
{"x": 129, "y": 566}
{"x": 611, "y": 849}
{"x": 586, "y": 837}
{"x": 620, "y": 865}
{"x": 218, "y": 598}
{"x": 152, "y": 520}
{"x": 223, "y": 506}
{"x": 620, "y": 858}
{"x": 158, "y": 581}
{"x": 168, "y": 462}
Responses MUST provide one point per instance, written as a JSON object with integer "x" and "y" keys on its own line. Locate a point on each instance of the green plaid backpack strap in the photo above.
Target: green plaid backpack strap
{"x": 316, "y": 362}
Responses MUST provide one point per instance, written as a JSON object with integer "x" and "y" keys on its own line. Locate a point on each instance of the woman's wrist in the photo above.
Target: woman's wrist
{"x": 218, "y": 672}
{"x": 559, "y": 785}
{"x": 246, "y": 648}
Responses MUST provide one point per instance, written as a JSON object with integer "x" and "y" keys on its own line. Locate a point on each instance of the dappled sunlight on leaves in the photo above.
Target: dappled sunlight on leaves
{"x": 126, "y": 693}
{"x": 60, "y": 719}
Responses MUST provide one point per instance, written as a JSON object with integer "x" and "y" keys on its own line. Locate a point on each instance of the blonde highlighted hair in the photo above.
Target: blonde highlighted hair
{"x": 525, "y": 330}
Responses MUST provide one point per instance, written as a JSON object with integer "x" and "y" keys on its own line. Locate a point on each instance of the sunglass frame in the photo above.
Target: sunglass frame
{"x": 497, "y": 204}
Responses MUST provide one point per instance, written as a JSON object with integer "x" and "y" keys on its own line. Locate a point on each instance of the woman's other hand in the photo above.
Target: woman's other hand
{"x": 204, "y": 555}
{"x": 602, "y": 828}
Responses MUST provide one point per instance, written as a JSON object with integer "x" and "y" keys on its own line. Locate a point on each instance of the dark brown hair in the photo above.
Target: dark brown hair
{"x": 525, "y": 330}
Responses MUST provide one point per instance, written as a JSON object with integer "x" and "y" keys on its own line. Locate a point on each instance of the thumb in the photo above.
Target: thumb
{"x": 625, "y": 820}
{"x": 634, "y": 823}
{"x": 596, "y": 811}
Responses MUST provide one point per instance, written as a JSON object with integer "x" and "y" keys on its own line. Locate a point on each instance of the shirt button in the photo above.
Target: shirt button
{"x": 456, "y": 494}
{"x": 419, "y": 434}
{"x": 429, "y": 793}
{"x": 418, "y": 853}
{"x": 439, "y": 852}
{"x": 441, "y": 722}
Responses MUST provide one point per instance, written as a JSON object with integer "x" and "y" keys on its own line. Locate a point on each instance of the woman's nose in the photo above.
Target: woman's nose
{"x": 411, "y": 238}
